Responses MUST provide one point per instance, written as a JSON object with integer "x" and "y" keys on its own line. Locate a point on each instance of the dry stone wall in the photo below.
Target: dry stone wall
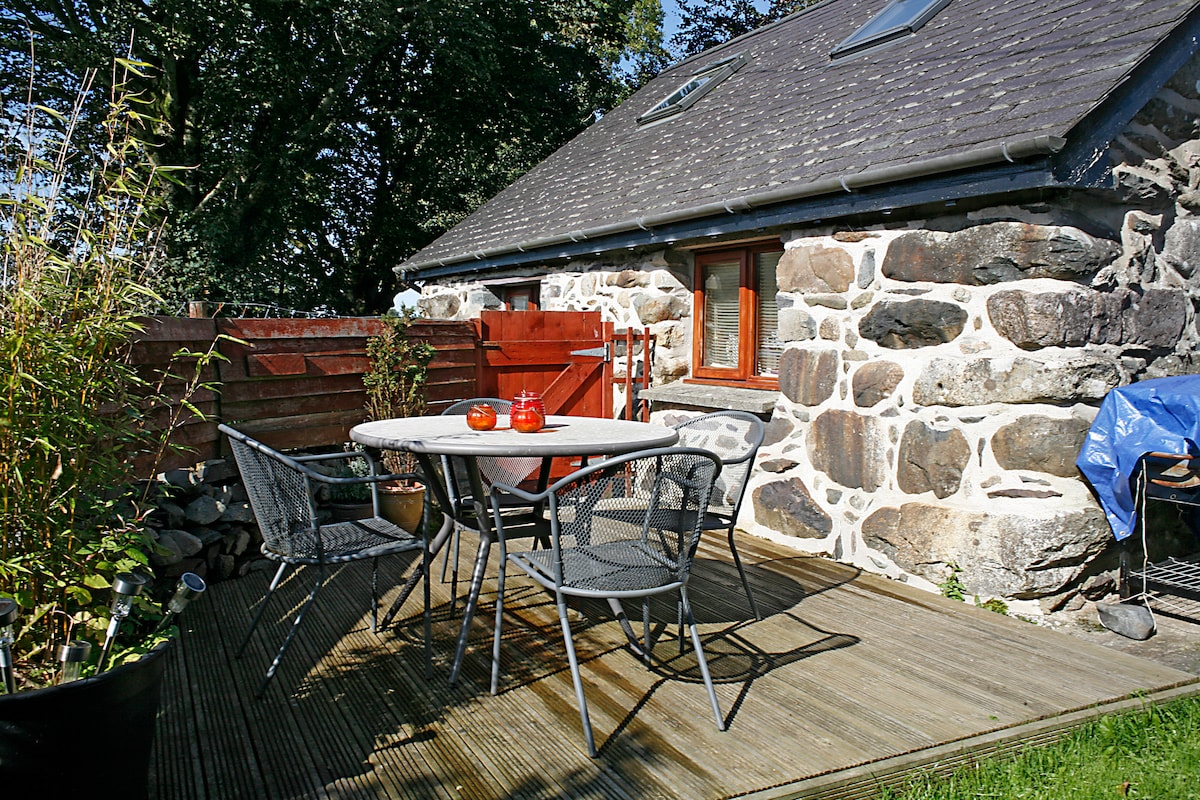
{"x": 940, "y": 374}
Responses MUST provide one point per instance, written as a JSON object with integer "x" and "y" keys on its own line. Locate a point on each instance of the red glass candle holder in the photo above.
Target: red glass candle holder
{"x": 528, "y": 412}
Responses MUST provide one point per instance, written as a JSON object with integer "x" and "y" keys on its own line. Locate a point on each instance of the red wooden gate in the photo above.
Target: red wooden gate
{"x": 565, "y": 355}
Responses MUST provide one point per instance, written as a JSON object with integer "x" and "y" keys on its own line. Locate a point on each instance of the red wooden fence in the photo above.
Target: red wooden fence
{"x": 291, "y": 382}
{"x": 298, "y": 382}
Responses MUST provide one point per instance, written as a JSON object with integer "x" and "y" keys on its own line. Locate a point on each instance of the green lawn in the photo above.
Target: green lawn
{"x": 1150, "y": 753}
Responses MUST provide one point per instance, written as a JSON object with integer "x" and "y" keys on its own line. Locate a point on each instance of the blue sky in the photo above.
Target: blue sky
{"x": 671, "y": 22}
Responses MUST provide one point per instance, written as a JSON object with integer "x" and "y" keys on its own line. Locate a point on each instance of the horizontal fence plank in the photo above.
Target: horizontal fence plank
{"x": 289, "y": 382}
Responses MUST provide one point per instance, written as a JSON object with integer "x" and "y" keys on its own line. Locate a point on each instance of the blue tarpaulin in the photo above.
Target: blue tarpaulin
{"x": 1155, "y": 416}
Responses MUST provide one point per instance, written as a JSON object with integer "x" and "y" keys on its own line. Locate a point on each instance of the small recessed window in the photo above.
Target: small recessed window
{"x": 698, "y": 85}
{"x": 898, "y": 18}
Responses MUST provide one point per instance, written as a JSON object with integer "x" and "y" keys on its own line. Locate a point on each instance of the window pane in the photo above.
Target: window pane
{"x": 721, "y": 314}
{"x": 769, "y": 346}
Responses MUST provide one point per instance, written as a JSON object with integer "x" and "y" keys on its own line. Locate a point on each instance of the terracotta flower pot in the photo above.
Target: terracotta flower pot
{"x": 402, "y": 504}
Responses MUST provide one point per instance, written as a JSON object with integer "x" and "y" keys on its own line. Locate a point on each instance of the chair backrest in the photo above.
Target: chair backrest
{"x": 508, "y": 471}
{"x": 735, "y": 437}
{"x": 630, "y": 523}
{"x": 281, "y": 495}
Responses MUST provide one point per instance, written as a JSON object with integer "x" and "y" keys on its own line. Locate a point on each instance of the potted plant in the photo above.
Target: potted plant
{"x": 346, "y": 502}
{"x": 398, "y": 368}
{"x": 77, "y": 254}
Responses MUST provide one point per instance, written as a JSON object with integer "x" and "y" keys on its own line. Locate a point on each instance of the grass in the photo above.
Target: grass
{"x": 1150, "y": 753}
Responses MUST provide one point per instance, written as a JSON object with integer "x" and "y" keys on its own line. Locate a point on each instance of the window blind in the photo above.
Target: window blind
{"x": 769, "y": 346}
{"x": 721, "y": 284}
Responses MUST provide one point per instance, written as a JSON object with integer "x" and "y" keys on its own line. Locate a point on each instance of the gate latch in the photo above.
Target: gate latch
{"x": 605, "y": 352}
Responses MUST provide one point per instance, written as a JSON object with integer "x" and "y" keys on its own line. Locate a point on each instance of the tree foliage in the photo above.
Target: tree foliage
{"x": 708, "y": 23}
{"x": 328, "y": 140}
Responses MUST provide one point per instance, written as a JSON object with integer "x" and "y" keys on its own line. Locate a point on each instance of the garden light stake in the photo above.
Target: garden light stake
{"x": 73, "y": 655}
{"x": 126, "y": 586}
{"x": 190, "y": 585}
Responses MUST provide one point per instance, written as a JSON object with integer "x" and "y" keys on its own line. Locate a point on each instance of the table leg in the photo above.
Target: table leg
{"x": 481, "y": 559}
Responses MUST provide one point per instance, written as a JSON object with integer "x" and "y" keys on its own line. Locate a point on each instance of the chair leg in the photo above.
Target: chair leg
{"x": 262, "y": 606}
{"x": 262, "y": 687}
{"x": 499, "y": 622}
{"x": 578, "y": 681}
{"x": 647, "y": 647}
{"x": 708, "y": 684}
{"x": 679, "y": 624}
{"x": 425, "y": 570}
{"x": 374, "y": 595}
{"x": 742, "y": 572}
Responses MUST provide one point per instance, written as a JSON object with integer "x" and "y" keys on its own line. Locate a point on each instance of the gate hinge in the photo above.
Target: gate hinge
{"x": 604, "y": 352}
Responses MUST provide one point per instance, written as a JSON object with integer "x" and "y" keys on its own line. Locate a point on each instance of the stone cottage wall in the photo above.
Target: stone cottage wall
{"x": 940, "y": 374}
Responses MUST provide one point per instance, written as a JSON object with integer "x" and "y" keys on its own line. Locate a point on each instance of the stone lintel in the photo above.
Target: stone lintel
{"x": 732, "y": 398}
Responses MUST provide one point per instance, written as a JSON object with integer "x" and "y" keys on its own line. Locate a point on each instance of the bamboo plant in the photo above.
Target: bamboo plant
{"x": 77, "y": 264}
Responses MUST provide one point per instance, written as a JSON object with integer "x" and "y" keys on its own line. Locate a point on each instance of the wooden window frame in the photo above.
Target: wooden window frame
{"x": 745, "y": 373}
{"x": 531, "y": 291}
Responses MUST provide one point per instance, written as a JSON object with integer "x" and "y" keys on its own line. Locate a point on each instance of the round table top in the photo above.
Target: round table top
{"x": 562, "y": 436}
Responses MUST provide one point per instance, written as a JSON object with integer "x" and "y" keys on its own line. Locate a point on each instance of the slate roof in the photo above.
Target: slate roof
{"x": 982, "y": 74}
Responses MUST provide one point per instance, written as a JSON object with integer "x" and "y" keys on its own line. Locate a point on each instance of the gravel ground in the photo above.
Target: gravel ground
{"x": 1175, "y": 642}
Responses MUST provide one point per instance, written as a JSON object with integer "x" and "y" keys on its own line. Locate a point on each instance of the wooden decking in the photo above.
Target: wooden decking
{"x": 848, "y": 680}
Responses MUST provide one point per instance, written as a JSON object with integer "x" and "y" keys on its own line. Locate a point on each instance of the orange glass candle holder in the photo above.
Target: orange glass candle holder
{"x": 481, "y": 417}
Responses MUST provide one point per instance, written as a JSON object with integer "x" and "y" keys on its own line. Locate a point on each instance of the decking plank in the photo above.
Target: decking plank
{"x": 846, "y": 670}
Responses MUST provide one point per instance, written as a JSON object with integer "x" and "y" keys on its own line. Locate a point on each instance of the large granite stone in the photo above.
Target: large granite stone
{"x": 850, "y": 448}
{"x": 931, "y": 460}
{"x": 1158, "y": 320}
{"x": 1031, "y": 320}
{"x": 807, "y": 376}
{"x": 1002, "y": 553}
{"x": 796, "y": 325}
{"x": 1040, "y": 444}
{"x": 778, "y": 429}
{"x": 439, "y": 306}
{"x": 996, "y": 252}
{"x": 912, "y": 323}
{"x": 875, "y": 381}
{"x": 815, "y": 268}
{"x": 658, "y": 308}
{"x": 1181, "y": 246}
{"x": 979, "y": 381}
{"x": 787, "y": 507}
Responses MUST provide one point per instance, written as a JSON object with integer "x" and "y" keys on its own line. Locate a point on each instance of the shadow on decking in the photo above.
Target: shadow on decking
{"x": 847, "y": 675}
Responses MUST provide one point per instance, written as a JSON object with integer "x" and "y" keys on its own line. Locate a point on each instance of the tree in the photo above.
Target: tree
{"x": 707, "y": 23}
{"x": 327, "y": 141}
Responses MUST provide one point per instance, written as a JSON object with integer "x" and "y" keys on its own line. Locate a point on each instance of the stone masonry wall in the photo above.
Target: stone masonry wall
{"x": 940, "y": 374}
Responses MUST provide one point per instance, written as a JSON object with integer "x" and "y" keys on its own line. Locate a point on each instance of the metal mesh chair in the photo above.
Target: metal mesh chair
{"x": 734, "y": 436}
{"x": 281, "y": 490}
{"x": 512, "y": 471}
{"x": 623, "y": 528}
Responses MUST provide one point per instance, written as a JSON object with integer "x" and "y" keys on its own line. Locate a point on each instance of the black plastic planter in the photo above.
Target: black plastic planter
{"x": 101, "y": 728}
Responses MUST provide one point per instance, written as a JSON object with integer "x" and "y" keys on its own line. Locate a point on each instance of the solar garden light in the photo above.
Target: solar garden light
{"x": 8, "y": 616}
{"x": 190, "y": 585}
{"x": 73, "y": 655}
{"x": 125, "y": 587}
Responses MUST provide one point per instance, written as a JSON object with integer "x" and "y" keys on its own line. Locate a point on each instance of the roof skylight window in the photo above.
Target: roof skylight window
{"x": 698, "y": 85}
{"x": 898, "y": 18}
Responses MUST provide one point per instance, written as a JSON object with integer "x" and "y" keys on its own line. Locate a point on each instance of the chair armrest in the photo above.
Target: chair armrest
{"x": 348, "y": 455}
{"x": 531, "y": 497}
{"x": 391, "y": 476}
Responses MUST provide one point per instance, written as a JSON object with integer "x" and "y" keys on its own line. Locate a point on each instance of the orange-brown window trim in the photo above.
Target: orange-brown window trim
{"x": 745, "y": 373}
